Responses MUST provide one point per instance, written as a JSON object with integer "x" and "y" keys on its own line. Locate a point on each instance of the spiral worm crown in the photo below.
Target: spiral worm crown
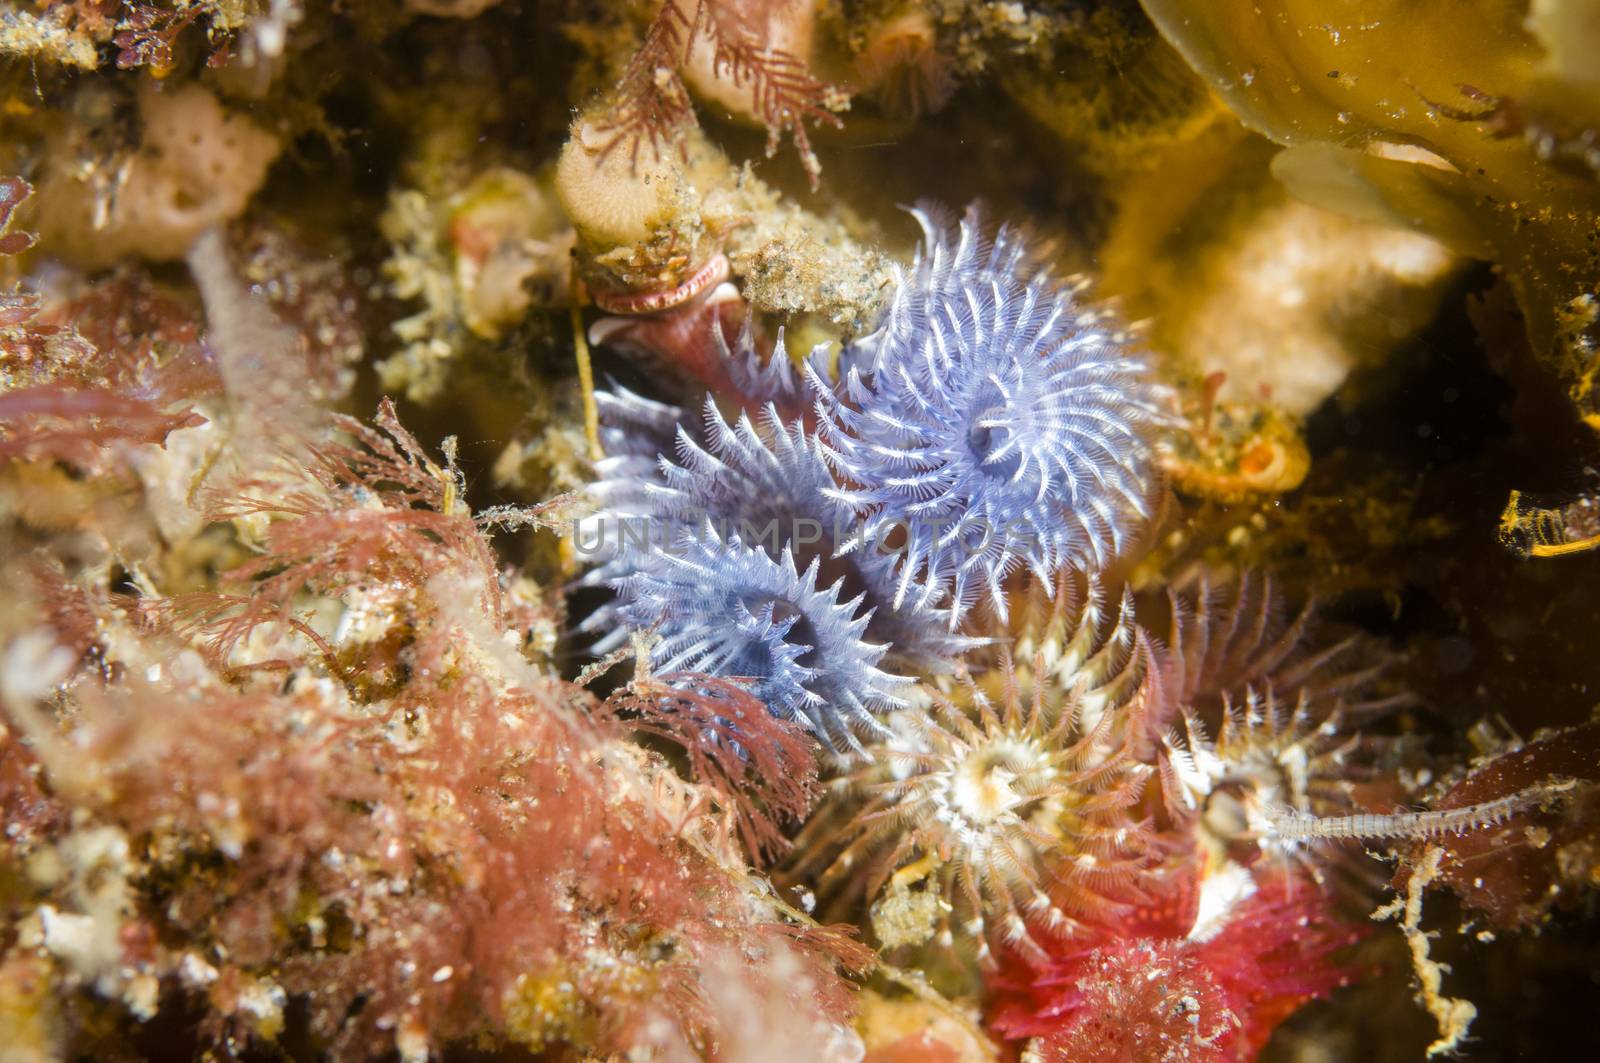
{"x": 993, "y": 419}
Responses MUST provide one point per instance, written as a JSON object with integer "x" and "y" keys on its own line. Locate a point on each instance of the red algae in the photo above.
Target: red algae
{"x": 412, "y": 857}
{"x": 72, "y": 397}
{"x": 393, "y": 817}
{"x": 761, "y": 768}
{"x": 652, "y": 107}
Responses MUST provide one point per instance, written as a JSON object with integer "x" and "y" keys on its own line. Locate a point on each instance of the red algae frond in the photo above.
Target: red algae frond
{"x": 410, "y": 814}
{"x": 761, "y": 768}
{"x": 652, "y": 109}
{"x": 69, "y": 399}
{"x": 336, "y": 778}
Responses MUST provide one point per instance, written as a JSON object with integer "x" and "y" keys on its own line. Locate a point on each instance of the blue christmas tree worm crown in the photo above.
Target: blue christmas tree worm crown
{"x": 772, "y": 379}
{"x": 771, "y": 486}
{"x": 725, "y": 609}
{"x": 993, "y": 419}
{"x": 988, "y": 423}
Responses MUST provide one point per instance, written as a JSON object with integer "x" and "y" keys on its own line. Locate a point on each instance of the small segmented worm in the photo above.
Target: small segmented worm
{"x": 1294, "y": 824}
